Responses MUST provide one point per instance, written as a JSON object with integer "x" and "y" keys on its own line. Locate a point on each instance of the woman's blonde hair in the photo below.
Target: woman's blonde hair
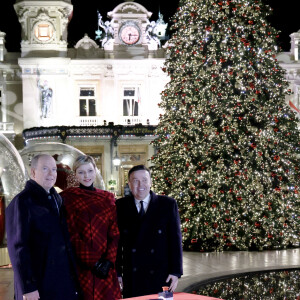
{"x": 82, "y": 160}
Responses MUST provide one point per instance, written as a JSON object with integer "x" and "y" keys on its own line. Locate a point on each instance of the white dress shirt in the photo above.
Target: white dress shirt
{"x": 146, "y": 202}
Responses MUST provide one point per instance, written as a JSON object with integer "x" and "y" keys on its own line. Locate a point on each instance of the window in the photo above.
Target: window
{"x": 43, "y": 32}
{"x": 131, "y": 101}
{"x": 87, "y": 102}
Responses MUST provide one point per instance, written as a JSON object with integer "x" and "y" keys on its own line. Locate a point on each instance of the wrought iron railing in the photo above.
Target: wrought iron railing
{"x": 6, "y": 127}
{"x": 110, "y": 131}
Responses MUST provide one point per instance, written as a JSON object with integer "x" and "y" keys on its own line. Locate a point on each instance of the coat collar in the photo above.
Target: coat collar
{"x": 34, "y": 187}
{"x": 152, "y": 203}
{"x": 40, "y": 195}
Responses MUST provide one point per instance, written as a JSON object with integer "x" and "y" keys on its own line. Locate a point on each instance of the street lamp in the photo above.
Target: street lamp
{"x": 116, "y": 161}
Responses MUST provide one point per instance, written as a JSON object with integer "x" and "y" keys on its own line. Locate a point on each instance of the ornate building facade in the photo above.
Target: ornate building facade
{"x": 101, "y": 99}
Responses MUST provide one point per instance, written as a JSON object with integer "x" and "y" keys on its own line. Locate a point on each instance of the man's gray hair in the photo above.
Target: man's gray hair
{"x": 35, "y": 159}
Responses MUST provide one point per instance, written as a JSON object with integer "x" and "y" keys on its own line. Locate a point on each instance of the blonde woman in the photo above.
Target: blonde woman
{"x": 92, "y": 223}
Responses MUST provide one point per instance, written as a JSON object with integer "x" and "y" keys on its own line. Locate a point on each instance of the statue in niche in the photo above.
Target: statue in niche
{"x": 46, "y": 98}
{"x": 105, "y": 35}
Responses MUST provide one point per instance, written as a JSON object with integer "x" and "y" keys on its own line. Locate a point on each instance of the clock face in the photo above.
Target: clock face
{"x": 130, "y": 34}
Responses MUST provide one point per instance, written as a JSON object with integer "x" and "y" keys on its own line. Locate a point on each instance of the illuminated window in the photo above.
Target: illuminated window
{"x": 43, "y": 32}
{"x": 87, "y": 102}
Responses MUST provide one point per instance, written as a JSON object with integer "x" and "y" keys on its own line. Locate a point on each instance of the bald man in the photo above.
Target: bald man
{"x": 37, "y": 238}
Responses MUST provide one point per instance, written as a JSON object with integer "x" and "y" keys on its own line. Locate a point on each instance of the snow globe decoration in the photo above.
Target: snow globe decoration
{"x": 64, "y": 156}
{"x": 12, "y": 177}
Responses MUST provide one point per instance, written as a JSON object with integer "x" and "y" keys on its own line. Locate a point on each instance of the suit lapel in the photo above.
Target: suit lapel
{"x": 40, "y": 196}
{"x": 132, "y": 208}
{"x": 152, "y": 207}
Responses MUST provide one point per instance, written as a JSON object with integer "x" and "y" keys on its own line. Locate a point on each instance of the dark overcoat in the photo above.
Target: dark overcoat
{"x": 39, "y": 246}
{"x": 151, "y": 249}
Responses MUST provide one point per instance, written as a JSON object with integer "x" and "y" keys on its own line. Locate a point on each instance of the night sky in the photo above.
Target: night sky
{"x": 285, "y": 18}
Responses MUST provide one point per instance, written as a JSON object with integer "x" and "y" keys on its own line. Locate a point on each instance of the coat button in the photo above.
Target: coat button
{"x": 152, "y": 251}
{"x": 49, "y": 197}
{"x": 133, "y": 250}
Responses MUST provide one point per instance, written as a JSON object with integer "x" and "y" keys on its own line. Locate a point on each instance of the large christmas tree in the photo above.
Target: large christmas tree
{"x": 228, "y": 145}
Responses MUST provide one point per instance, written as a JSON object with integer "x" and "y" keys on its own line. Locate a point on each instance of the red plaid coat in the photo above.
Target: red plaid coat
{"x": 92, "y": 223}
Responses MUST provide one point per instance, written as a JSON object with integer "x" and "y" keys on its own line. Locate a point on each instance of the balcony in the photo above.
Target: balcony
{"x": 124, "y": 120}
{"x": 133, "y": 120}
{"x": 89, "y": 121}
{"x": 7, "y": 128}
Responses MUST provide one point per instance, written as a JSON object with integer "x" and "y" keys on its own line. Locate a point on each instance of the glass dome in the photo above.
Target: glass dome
{"x": 12, "y": 177}
{"x": 64, "y": 156}
{"x": 12, "y": 170}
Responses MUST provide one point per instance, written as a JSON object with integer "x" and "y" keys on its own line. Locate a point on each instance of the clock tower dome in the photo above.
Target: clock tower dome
{"x": 44, "y": 26}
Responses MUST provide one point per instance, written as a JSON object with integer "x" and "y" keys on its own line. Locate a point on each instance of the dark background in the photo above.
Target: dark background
{"x": 285, "y": 18}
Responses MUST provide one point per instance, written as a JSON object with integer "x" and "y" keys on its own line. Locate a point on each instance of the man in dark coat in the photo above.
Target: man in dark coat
{"x": 37, "y": 238}
{"x": 150, "y": 250}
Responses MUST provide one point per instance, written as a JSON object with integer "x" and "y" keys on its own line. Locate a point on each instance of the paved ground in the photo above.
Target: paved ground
{"x": 202, "y": 266}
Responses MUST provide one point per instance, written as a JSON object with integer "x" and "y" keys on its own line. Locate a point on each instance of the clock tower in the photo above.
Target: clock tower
{"x": 129, "y": 29}
{"x": 129, "y": 20}
{"x": 44, "y": 26}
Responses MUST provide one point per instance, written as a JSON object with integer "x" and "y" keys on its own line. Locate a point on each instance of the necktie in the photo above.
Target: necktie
{"x": 142, "y": 210}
